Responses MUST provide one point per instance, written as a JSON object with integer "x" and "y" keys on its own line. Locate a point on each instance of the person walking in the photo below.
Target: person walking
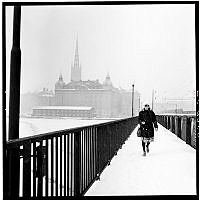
{"x": 147, "y": 123}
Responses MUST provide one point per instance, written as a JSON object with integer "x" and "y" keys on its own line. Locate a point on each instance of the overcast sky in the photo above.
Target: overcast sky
{"x": 152, "y": 46}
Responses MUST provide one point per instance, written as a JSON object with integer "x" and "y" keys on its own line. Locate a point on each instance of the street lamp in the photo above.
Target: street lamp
{"x": 132, "y": 98}
{"x": 139, "y": 103}
{"x": 152, "y": 99}
{"x": 14, "y": 105}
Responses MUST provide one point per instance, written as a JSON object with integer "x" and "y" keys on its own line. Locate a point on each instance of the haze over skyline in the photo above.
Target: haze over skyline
{"x": 152, "y": 46}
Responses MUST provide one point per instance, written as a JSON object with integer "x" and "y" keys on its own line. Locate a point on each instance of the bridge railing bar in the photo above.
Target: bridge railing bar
{"x": 67, "y": 162}
{"x": 181, "y": 125}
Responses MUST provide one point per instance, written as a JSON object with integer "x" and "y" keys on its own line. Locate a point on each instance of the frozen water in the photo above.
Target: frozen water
{"x": 34, "y": 126}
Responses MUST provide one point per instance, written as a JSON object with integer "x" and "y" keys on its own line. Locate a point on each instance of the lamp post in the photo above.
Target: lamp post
{"x": 15, "y": 69}
{"x": 14, "y": 105}
{"x": 152, "y": 99}
{"x": 132, "y": 99}
{"x": 139, "y": 103}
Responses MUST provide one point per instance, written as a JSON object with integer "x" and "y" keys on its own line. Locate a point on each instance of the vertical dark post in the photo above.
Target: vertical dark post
{"x": 168, "y": 122}
{"x": 34, "y": 169}
{"x": 14, "y": 104}
{"x": 27, "y": 170}
{"x": 183, "y": 128}
{"x": 77, "y": 163}
{"x": 98, "y": 152}
{"x": 179, "y": 126}
{"x": 132, "y": 98}
{"x": 165, "y": 117}
{"x": 152, "y": 99}
{"x": 188, "y": 131}
{"x": 163, "y": 120}
{"x": 109, "y": 144}
{"x": 173, "y": 124}
{"x": 40, "y": 168}
{"x": 15, "y": 70}
{"x": 139, "y": 104}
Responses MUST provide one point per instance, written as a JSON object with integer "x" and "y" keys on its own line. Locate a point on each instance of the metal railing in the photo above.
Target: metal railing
{"x": 66, "y": 162}
{"x": 184, "y": 126}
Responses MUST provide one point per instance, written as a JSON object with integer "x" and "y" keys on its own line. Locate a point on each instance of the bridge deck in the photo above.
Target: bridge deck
{"x": 168, "y": 169}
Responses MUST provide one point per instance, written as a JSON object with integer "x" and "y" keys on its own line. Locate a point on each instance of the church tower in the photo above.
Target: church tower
{"x": 107, "y": 84}
{"x": 76, "y": 68}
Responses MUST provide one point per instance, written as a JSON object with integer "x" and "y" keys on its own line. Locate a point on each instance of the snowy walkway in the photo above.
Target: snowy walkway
{"x": 168, "y": 169}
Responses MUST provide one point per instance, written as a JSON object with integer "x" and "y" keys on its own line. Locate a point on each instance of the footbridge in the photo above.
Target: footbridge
{"x": 105, "y": 159}
{"x": 100, "y": 159}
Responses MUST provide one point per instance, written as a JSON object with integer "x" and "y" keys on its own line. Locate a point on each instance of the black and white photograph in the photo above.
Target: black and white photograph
{"x": 100, "y": 98}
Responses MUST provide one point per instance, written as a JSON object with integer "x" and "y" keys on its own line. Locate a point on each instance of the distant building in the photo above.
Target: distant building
{"x": 30, "y": 100}
{"x": 107, "y": 100}
{"x": 175, "y": 106}
{"x": 63, "y": 111}
{"x": 104, "y": 98}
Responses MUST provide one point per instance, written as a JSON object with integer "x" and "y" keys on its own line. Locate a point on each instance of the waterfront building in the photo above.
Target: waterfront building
{"x": 107, "y": 100}
{"x": 63, "y": 111}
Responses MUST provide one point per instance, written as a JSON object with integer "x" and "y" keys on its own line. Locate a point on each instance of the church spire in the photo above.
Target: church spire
{"x": 60, "y": 77}
{"x": 76, "y": 58}
{"x": 76, "y": 68}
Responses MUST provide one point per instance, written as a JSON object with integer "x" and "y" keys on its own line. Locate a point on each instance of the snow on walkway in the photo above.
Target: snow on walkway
{"x": 168, "y": 169}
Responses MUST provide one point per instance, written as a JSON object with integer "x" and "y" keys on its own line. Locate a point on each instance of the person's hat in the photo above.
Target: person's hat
{"x": 146, "y": 104}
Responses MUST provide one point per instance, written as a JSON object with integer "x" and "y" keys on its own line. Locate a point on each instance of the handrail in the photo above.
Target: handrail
{"x": 67, "y": 162}
{"x": 39, "y": 137}
{"x": 184, "y": 126}
{"x": 174, "y": 114}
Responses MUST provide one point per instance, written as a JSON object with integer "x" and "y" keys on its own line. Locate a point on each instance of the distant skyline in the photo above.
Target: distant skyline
{"x": 152, "y": 46}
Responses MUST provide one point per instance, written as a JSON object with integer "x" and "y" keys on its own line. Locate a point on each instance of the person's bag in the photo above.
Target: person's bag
{"x": 139, "y": 132}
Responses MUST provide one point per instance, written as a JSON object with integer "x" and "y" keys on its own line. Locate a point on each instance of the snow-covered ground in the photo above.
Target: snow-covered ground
{"x": 168, "y": 169}
{"x": 34, "y": 126}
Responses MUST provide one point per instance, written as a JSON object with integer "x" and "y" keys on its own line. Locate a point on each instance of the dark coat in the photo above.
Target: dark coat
{"x": 149, "y": 117}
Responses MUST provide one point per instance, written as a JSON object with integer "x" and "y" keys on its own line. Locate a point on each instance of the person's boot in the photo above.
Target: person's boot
{"x": 144, "y": 153}
{"x": 147, "y": 147}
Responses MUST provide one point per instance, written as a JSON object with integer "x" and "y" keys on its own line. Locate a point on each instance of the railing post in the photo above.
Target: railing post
{"x": 98, "y": 135}
{"x": 41, "y": 167}
{"x": 77, "y": 163}
{"x": 165, "y": 121}
{"x": 183, "y": 128}
{"x": 27, "y": 170}
{"x": 168, "y": 122}
{"x": 13, "y": 165}
{"x": 176, "y": 125}
{"x": 188, "y": 131}
{"x": 179, "y": 127}
{"x": 173, "y": 124}
{"x": 193, "y": 135}
{"x": 109, "y": 144}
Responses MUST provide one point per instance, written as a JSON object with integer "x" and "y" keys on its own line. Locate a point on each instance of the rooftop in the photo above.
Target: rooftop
{"x": 63, "y": 107}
